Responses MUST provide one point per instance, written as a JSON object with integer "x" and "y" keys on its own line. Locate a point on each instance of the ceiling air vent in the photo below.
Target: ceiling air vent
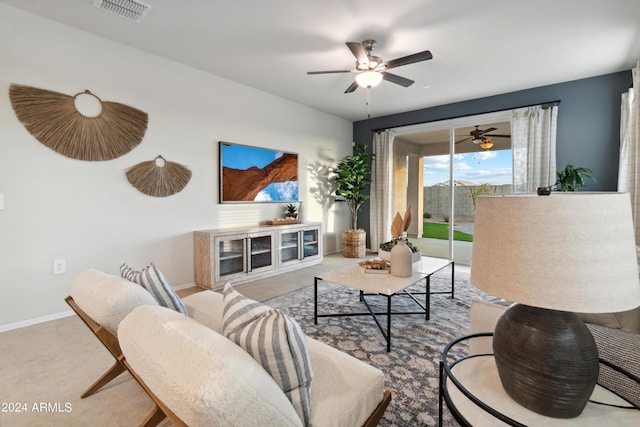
{"x": 132, "y": 10}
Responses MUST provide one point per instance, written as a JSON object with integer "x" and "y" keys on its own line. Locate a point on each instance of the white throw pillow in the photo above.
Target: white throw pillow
{"x": 158, "y": 286}
{"x": 107, "y": 298}
{"x": 276, "y": 341}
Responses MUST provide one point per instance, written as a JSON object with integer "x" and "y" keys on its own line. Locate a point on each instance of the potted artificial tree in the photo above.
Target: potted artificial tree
{"x": 353, "y": 174}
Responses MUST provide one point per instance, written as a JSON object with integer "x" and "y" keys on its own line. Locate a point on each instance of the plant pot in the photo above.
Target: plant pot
{"x": 353, "y": 243}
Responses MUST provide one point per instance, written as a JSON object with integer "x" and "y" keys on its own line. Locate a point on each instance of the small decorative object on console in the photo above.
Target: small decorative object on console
{"x": 291, "y": 211}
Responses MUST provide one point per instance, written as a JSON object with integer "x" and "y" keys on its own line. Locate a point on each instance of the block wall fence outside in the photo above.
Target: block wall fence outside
{"x": 436, "y": 199}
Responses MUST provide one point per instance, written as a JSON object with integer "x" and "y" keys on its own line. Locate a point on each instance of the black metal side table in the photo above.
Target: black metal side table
{"x": 471, "y": 388}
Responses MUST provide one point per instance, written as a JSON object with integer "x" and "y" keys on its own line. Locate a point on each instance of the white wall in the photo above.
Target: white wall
{"x": 87, "y": 212}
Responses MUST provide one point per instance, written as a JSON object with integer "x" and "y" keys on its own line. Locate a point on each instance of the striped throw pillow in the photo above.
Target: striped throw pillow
{"x": 276, "y": 341}
{"x": 154, "y": 281}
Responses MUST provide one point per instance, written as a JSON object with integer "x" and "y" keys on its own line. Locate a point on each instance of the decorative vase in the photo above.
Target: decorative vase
{"x": 386, "y": 255}
{"x": 401, "y": 260}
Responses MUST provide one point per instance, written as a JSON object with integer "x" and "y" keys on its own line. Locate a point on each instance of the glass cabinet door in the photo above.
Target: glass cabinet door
{"x": 310, "y": 243}
{"x": 261, "y": 253}
{"x": 289, "y": 246}
{"x": 231, "y": 256}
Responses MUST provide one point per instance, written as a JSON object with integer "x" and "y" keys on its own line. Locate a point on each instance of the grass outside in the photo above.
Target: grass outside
{"x": 434, "y": 230}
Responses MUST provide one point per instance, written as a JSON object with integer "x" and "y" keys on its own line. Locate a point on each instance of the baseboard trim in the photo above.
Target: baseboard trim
{"x": 35, "y": 321}
{"x": 63, "y": 314}
{"x": 185, "y": 286}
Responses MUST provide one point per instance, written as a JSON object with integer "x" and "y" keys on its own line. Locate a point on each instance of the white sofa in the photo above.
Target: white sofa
{"x": 196, "y": 376}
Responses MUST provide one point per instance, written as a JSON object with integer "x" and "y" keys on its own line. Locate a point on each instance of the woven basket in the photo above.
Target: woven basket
{"x": 353, "y": 243}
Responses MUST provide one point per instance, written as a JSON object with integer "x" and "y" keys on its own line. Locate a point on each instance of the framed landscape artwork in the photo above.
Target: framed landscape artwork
{"x": 254, "y": 174}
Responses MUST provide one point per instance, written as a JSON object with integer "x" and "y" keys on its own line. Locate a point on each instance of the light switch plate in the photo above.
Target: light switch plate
{"x": 1, "y": 201}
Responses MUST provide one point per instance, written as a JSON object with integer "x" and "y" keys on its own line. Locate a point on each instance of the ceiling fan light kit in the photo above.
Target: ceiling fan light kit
{"x": 369, "y": 79}
{"x": 371, "y": 70}
{"x": 486, "y": 144}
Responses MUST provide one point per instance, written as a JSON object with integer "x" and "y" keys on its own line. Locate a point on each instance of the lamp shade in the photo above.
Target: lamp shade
{"x": 566, "y": 251}
{"x": 369, "y": 78}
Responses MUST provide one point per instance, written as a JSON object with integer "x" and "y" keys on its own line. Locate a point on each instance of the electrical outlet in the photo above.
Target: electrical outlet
{"x": 1, "y": 201}
{"x": 59, "y": 266}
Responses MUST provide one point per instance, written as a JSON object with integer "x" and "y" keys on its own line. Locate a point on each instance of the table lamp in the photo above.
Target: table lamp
{"x": 552, "y": 256}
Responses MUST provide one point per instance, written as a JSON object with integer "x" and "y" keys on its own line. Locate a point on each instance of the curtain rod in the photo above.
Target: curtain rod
{"x": 541, "y": 104}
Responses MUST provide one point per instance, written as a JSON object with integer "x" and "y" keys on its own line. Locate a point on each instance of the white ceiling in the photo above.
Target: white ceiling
{"x": 480, "y": 48}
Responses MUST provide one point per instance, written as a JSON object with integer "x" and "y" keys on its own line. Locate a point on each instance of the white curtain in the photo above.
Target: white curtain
{"x": 380, "y": 211}
{"x": 629, "y": 166}
{"x": 533, "y": 145}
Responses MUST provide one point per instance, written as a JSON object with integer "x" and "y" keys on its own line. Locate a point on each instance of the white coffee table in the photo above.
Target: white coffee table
{"x": 386, "y": 285}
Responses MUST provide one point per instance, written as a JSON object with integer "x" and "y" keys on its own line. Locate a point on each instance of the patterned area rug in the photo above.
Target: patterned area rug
{"x": 412, "y": 367}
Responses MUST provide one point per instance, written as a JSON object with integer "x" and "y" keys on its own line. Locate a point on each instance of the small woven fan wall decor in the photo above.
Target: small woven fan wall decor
{"x": 159, "y": 177}
{"x": 54, "y": 120}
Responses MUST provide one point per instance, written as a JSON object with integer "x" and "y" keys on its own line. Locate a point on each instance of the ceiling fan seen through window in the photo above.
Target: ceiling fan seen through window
{"x": 482, "y": 137}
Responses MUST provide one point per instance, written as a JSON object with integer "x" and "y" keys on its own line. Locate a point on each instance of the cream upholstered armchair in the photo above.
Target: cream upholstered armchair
{"x": 102, "y": 300}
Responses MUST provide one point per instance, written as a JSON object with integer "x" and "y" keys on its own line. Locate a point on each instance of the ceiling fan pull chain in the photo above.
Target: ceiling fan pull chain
{"x": 368, "y": 102}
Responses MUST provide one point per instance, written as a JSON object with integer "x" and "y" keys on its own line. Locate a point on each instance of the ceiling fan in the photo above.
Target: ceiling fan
{"x": 372, "y": 69}
{"x": 479, "y": 136}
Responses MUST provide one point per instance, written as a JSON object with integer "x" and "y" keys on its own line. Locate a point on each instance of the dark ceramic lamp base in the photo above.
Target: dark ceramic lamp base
{"x": 547, "y": 360}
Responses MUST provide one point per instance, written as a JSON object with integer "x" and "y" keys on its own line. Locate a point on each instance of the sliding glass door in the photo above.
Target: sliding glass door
{"x": 440, "y": 168}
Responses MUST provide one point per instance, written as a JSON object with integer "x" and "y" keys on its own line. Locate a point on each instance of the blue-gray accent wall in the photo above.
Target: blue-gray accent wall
{"x": 588, "y": 123}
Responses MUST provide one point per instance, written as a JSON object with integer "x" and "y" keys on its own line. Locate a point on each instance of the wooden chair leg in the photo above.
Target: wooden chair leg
{"x": 154, "y": 418}
{"x": 161, "y": 411}
{"x": 110, "y": 342}
{"x": 378, "y": 412}
{"x": 113, "y": 372}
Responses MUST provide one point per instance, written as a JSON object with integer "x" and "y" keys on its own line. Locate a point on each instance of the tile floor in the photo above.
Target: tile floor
{"x": 45, "y": 367}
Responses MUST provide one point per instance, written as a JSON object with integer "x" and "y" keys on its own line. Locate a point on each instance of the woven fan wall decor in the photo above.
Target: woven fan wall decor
{"x": 159, "y": 177}
{"x": 53, "y": 119}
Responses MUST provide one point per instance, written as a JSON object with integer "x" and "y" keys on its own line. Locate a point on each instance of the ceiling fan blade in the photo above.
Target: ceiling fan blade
{"x": 328, "y": 72}
{"x": 464, "y": 139}
{"x": 488, "y": 130}
{"x": 409, "y": 59}
{"x": 394, "y": 78}
{"x": 352, "y": 88}
{"x": 358, "y": 52}
{"x": 498, "y": 136}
